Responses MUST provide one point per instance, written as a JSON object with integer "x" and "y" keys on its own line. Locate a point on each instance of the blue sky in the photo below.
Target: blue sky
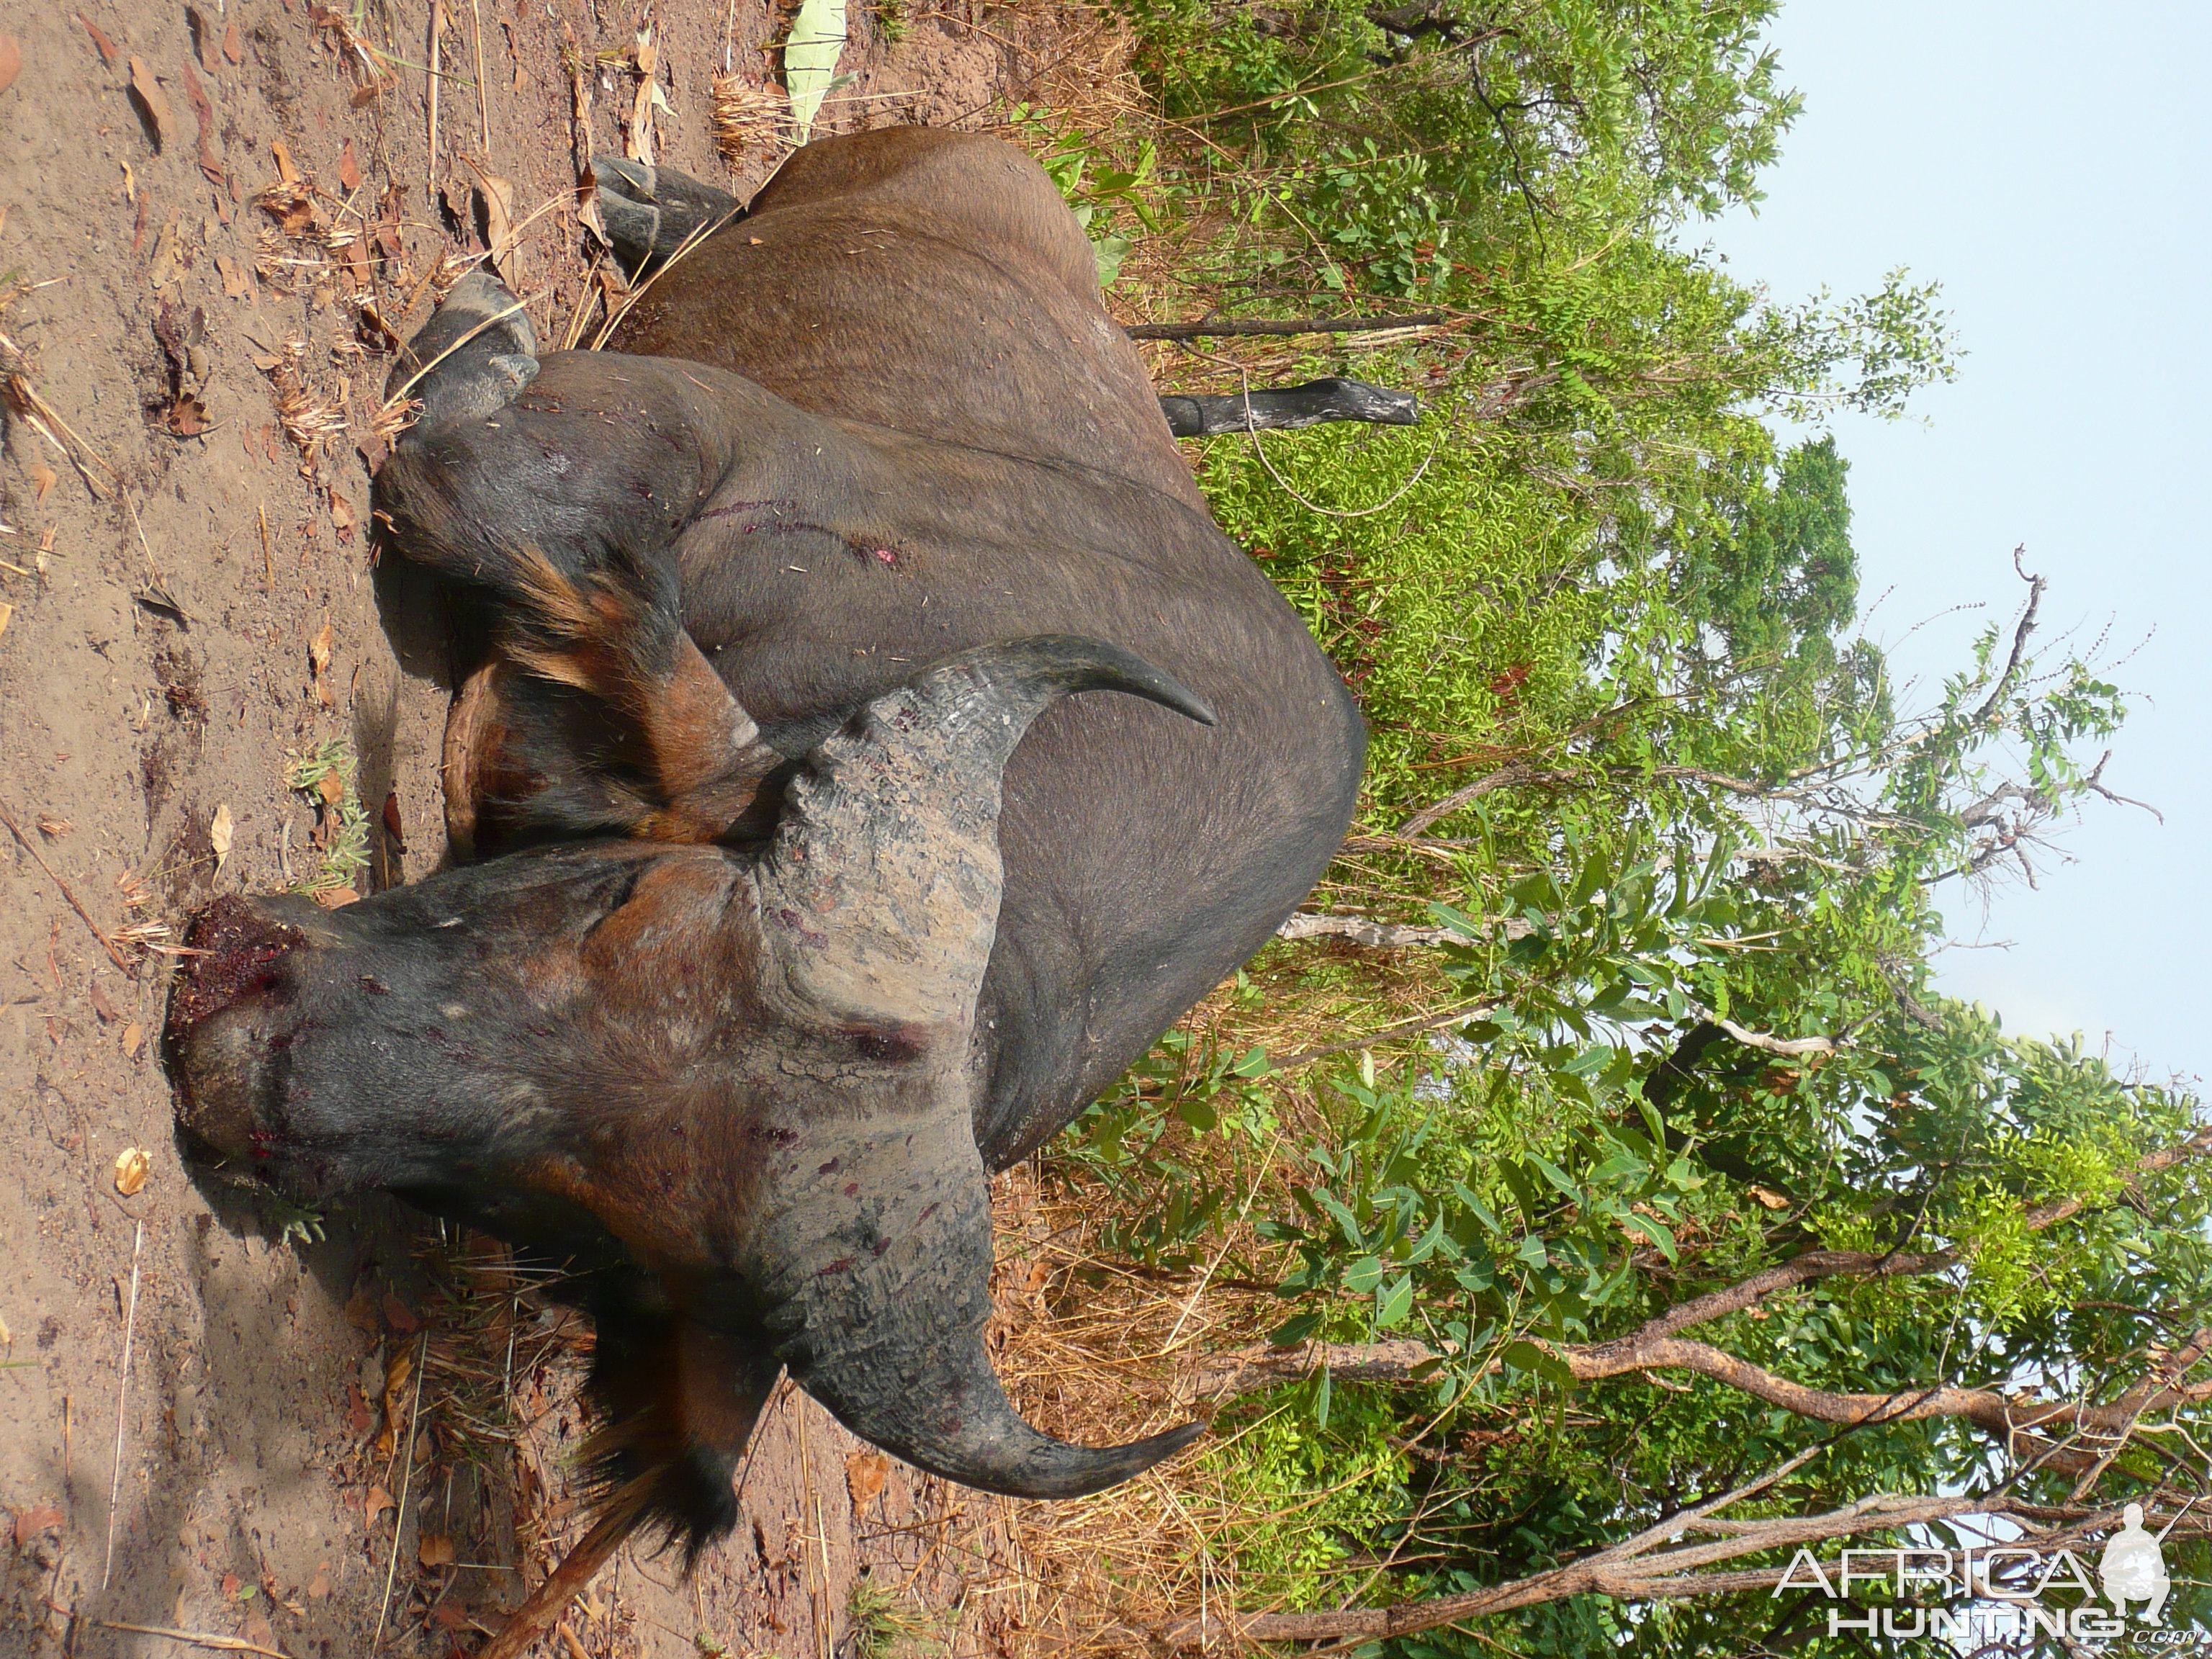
{"x": 2053, "y": 169}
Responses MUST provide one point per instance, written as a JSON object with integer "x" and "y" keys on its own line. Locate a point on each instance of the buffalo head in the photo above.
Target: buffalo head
{"x": 738, "y": 1075}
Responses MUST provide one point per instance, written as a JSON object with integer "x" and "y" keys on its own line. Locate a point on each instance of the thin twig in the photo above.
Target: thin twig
{"x": 122, "y": 1400}
{"x": 567, "y": 1581}
{"x": 1404, "y": 1028}
{"x": 483, "y": 111}
{"x": 697, "y": 236}
{"x": 107, "y": 944}
{"x": 496, "y": 317}
{"x": 437, "y": 30}
{"x": 198, "y": 1638}
{"x": 406, "y": 1479}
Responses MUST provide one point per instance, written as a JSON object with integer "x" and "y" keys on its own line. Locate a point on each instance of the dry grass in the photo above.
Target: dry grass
{"x": 1096, "y": 1347}
{"x": 502, "y": 1366}
{"x": 748, "y": 118}
{"x": 310, "y": 420}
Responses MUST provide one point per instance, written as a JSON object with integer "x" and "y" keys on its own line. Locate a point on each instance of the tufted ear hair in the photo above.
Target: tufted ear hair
{"x": 598, "y": 716}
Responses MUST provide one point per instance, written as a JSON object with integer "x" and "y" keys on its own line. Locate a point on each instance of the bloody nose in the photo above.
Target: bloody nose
{"x": 235, "y": 949}
{"x": 217, "y": 1032}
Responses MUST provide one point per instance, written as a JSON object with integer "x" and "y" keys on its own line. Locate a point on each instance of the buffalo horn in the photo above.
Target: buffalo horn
{"x": 880, "y": 901}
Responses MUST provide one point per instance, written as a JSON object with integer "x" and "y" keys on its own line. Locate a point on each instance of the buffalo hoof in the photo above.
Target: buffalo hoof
{"x": 650, "y": 212}
{"x": 473, "y": 357}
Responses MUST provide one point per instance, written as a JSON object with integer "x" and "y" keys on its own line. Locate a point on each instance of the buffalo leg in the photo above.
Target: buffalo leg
{"x": 554, "y": 498}
{"x": 471, "y": 359}
{"x": 650, "y": 212}
{"x": 1287, "y": 408}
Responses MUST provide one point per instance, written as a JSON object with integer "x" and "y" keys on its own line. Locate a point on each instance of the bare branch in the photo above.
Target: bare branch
{"x": 1504, "y": 777}
{"x": 2094, "y": 783}
{"x": 1626, "y": 1572}
{"x": 2026, "y": 626}
{"x": 1383, "y": 935}
{"x": 1362, "y": 930}
{"x": 1787, "y": 1048}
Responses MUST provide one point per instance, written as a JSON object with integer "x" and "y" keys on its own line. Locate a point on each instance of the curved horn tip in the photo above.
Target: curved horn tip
{"x": 1078, "y": 1471}
{"x": 1077, "y": 662}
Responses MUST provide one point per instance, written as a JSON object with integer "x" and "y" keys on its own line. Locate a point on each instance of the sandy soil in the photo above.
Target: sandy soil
{"x": 173, "y": 560}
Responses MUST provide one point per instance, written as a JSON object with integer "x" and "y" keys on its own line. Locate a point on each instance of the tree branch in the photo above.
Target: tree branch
{"x": 1653, "y": 1345}
{"x": 1362, "y": 930}
{"x": 2035, "y": 587}
{"x": 1629, "y": 1571}
{"x": 1381, "y": 935}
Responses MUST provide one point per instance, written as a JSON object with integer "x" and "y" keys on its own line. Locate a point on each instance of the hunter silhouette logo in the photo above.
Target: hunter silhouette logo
{"x": 2134, "y": 1568}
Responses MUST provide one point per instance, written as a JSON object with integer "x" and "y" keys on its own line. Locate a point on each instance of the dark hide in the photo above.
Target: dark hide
{"x": 1289, "y": 407}
{"x": 790, "y": 943}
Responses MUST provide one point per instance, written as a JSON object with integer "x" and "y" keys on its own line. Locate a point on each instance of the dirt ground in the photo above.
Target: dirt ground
{"x": 345, "y": 1434}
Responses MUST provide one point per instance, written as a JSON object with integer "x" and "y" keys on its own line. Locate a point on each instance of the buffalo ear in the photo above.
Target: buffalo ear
{"x": 598, "y": 714}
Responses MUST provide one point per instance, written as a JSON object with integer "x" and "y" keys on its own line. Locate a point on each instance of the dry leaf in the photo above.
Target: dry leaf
{"x": 401, "y": 1317}
{"x": 220, "y": 830}
{"x": 498, "y": 197}
{"x": 285, "y": 169}
{"x": 203, "y": 112}
{"x": 154, "y": 108}
{"x": 393, "y": 826}
{"x": 336, "y": 898}
{"x": 436, "y": 1550}
{"x": 133, "y": 1034}
{"x": 865, "y": 1474}
{"x": 11, "y": 61}
{"x": 29, "y": 1523}
{"x": 1772, "y": 1200}
{"x": 319, "y": 1587}
{"x": 230, "y": 1586}
{"x": 235, "y": 282}
{"x": 377, "y": 1501}
{"x": 101, "y": 1005}
{"x": 108, "y": 53}
{"x": 332, "y": 788}
{"x": 361, "y": 1310}
{"x": 349, "y": 167}
{"x": 6, "y": 611}
{"x": 232, "y": 47}
{"x": 166, "y": 266}
{"x": 187, "y": 417}
{"x": 131, "y": 1168}
{"x": 319, "y": 663}
{"x": 43, "y": 478}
